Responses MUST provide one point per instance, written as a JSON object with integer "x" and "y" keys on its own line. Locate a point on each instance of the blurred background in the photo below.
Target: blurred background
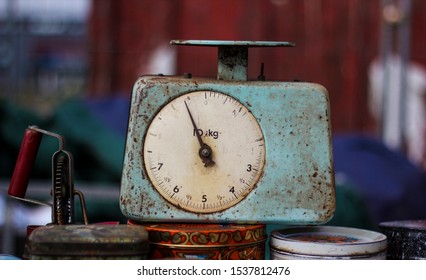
{"x": 69, "y": 67}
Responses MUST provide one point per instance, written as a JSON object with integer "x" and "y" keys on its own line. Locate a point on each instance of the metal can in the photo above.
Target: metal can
{"x": 327, "y": 242}
{"x": 206, "y": 241}
{"x": 96, "y": 242}
{"x": 406, "y": 239}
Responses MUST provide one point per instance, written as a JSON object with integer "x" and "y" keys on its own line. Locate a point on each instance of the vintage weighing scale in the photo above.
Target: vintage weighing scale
{"x": 227, "y": 151}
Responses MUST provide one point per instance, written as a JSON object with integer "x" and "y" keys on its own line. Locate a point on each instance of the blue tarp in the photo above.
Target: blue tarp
{"x": 393, "y": 188}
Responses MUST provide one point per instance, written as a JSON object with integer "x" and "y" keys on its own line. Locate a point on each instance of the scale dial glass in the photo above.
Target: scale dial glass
{"x": 204, "y": 152}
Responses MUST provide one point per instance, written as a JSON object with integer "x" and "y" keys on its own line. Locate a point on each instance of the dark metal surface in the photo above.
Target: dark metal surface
{"x": 96, "y": 241}
{"x": 406, "y": 239}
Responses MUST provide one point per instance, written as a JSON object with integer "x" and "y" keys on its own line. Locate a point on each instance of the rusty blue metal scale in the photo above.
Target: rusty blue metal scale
{"x": 297, "y": 183}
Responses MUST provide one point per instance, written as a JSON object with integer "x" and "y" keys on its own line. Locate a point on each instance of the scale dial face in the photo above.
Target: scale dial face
{"x": 204, "y": 152}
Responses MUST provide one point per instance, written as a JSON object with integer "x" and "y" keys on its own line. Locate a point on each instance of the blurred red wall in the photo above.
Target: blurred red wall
{"x": 335, "y": 43}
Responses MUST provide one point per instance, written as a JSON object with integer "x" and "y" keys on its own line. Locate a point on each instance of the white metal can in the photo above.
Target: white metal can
{"x": 327, "y": 242}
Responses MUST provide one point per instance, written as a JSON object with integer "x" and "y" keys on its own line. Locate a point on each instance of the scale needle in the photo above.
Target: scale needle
{"x": 205, "y": 152}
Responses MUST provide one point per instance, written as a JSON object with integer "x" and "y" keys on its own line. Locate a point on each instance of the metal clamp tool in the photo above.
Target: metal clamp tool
{"x": 62, "y": 191}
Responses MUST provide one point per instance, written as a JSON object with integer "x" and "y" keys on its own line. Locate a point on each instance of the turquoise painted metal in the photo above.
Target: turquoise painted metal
{"x": 297, "y": 184}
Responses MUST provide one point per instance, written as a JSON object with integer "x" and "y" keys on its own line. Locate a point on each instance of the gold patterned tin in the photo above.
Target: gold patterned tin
{"x": 87, "y": 242}
{"x": 206, "y": 241}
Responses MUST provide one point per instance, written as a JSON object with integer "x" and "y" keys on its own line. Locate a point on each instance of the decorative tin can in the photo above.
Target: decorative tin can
{"x": 96, "y": 241}
{"x": 327, "y": 242}
{"x": 406, "y": 239}
{"x": 206, "y": 241}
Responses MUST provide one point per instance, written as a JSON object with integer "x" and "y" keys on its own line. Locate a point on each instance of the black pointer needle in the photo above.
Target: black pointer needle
{"x": 205, "y": 151}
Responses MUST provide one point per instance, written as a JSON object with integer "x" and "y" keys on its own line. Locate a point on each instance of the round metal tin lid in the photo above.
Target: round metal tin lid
{"x": 328, "y": 241}
{"x": 204, "y": 234}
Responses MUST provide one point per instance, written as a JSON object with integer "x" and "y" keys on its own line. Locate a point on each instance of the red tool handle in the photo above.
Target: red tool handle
{"x": 24, "y": 163}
